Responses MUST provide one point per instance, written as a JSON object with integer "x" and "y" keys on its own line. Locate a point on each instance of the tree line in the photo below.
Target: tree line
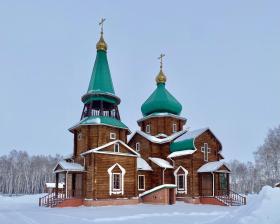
{"x": 21, "y": 173}
{"x": 250, "y": 177}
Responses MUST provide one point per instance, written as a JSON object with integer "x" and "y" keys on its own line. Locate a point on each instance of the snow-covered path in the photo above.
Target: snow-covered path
{"x": 262, "y": 208}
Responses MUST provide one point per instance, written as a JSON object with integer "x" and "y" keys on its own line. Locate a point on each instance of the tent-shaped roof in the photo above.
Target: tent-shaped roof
{"x": 101, "y": 84}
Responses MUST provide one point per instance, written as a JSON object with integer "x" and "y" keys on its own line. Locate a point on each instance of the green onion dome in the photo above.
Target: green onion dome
{"x": 161, "y": 100}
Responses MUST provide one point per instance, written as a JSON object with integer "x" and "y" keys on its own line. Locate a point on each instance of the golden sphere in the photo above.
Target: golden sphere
{"x": 161, "y": 78}
{"x": 101, "y": 44}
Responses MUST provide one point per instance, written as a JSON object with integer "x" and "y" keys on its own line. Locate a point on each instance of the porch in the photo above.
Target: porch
{"x": 71, "y": 174}
{"x": 214, "y": 185}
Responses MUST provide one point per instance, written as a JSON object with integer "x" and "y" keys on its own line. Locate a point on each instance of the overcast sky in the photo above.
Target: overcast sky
{"x": 222, "y": 64}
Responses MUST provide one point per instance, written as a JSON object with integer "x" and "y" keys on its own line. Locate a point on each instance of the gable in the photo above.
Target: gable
{"x": 208, "y": 137}
{"x": 108, "y": 148}
{"x": 122, "y": 149}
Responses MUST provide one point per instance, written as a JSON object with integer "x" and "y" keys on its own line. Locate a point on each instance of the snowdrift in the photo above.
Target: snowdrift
{"x": 262, "y": 208}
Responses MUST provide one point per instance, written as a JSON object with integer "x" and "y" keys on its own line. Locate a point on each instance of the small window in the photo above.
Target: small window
{"x": 116, "y": 182}
{"x": 113, "y": 136}
{"x": 116, "y": 147}
{"x": 80, "y": 136}
{"x": 181, "y": 182}
{"x": 174, "y": 127}
{"x": 141, "y": 182}
{"x": 137, "y": 146}
{"x": 148, "y": 129}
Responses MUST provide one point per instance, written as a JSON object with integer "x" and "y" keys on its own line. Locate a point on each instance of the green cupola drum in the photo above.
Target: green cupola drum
{"x": 100, "y": 99}
{"x": 161, "y": 100}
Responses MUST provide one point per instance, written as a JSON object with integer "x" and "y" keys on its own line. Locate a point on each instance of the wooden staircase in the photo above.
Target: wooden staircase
{"x": 59, "y": 199}
{"x": 230, "y": 198}
{"x": 52, "y": 199}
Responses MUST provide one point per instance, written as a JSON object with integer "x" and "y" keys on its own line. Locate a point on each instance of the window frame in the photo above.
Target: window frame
{"x": 116, "y": 146}
{"x": 174, "y": 127}
{"x": 148, "y": 129}
{"x": 113, "y": 182}
{"x": 113, "y": 136}
{"x": 178, "y": 180}
{"x": 141, "y": 189}
{"x": 137, "y": 146}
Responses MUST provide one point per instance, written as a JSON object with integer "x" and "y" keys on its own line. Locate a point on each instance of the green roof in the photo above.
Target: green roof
{"x": 101, "y": 120}
{"x": 186, "y": 141}
{"x": 187, "y": 144}
{"x": 101, "y": 81}
{"x": 161, "y": 101}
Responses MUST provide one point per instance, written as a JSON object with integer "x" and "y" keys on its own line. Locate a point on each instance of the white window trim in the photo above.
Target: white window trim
{"x": 137, "y": 146}
{"x": 116, "y": 146}
{"x": 113, "y": 136}
{"x": 140, "y": 189}
{"x": 186, "y": 179}
{"x": 148, "y": 128}
{"x": 116, "y": 189}
{"x": 174, "y": 127}
{"x": 184, "y": 176}
{"x": 111, "y": 177}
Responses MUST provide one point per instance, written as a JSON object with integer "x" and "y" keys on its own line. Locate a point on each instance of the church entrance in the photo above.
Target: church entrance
{"x": 206, "y": 186}
{"x": 77, "y": 179}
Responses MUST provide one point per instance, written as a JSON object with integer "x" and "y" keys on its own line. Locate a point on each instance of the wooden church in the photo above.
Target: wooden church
{"x": 160, "y": 163}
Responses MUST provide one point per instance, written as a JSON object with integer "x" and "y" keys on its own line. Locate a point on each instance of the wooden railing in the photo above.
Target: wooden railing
{"x": 230, "y": 197}
{"x": 53, "y": 199}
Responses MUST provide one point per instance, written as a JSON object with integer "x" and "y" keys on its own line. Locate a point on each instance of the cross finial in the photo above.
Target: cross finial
{"x": 160, "y": 58}
{"x": 101, "y": 24}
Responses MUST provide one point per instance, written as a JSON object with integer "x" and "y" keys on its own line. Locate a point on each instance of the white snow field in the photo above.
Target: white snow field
{"x": 261, "y": 209}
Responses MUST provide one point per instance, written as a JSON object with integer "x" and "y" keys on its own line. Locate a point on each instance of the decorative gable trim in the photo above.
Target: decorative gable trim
{"x": 186, "y": 179}
{"x": 111, "y": 191}
{"x": 96, "y": 150}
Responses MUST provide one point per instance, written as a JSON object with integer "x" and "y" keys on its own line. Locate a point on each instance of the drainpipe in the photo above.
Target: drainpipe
{"x": 213, "y": 184}
{"x": 163, "y": 175}
{"x": 66, "y": 187}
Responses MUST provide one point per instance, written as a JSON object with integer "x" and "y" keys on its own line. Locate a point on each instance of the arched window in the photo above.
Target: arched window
{"x": 116, "y": 179}
{"x": 181, "y": 180}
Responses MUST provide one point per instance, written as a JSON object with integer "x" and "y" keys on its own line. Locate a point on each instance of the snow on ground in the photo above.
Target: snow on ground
{"x": 261, "y": 209}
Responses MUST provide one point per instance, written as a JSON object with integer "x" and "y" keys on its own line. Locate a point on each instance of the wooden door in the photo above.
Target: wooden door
{"x": 78, "y": 185}
{"x": 206, "y": 184}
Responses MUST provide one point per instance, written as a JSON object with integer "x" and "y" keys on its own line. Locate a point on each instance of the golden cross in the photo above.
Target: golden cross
{"x": 101, "y": 24}
{"x": 160, "y": 58}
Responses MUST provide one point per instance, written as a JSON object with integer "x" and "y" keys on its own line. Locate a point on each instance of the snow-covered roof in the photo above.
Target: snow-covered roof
{"x": 96, "y": 150}
{"x": 67, "y": 166}
{"x": 143, "y": 165}
{"x": 191, "y": 134}
{"x": 52, "y": 185}
{"x": 161, "y": 162}
{"x": 157, "y": 188}
{"x": 212, "y": 167}
{"x": 180, "y": 153}
{"x": 69, "y": 156}
{"x": 154, "y": 139}
{"x": 277, "y": 185}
